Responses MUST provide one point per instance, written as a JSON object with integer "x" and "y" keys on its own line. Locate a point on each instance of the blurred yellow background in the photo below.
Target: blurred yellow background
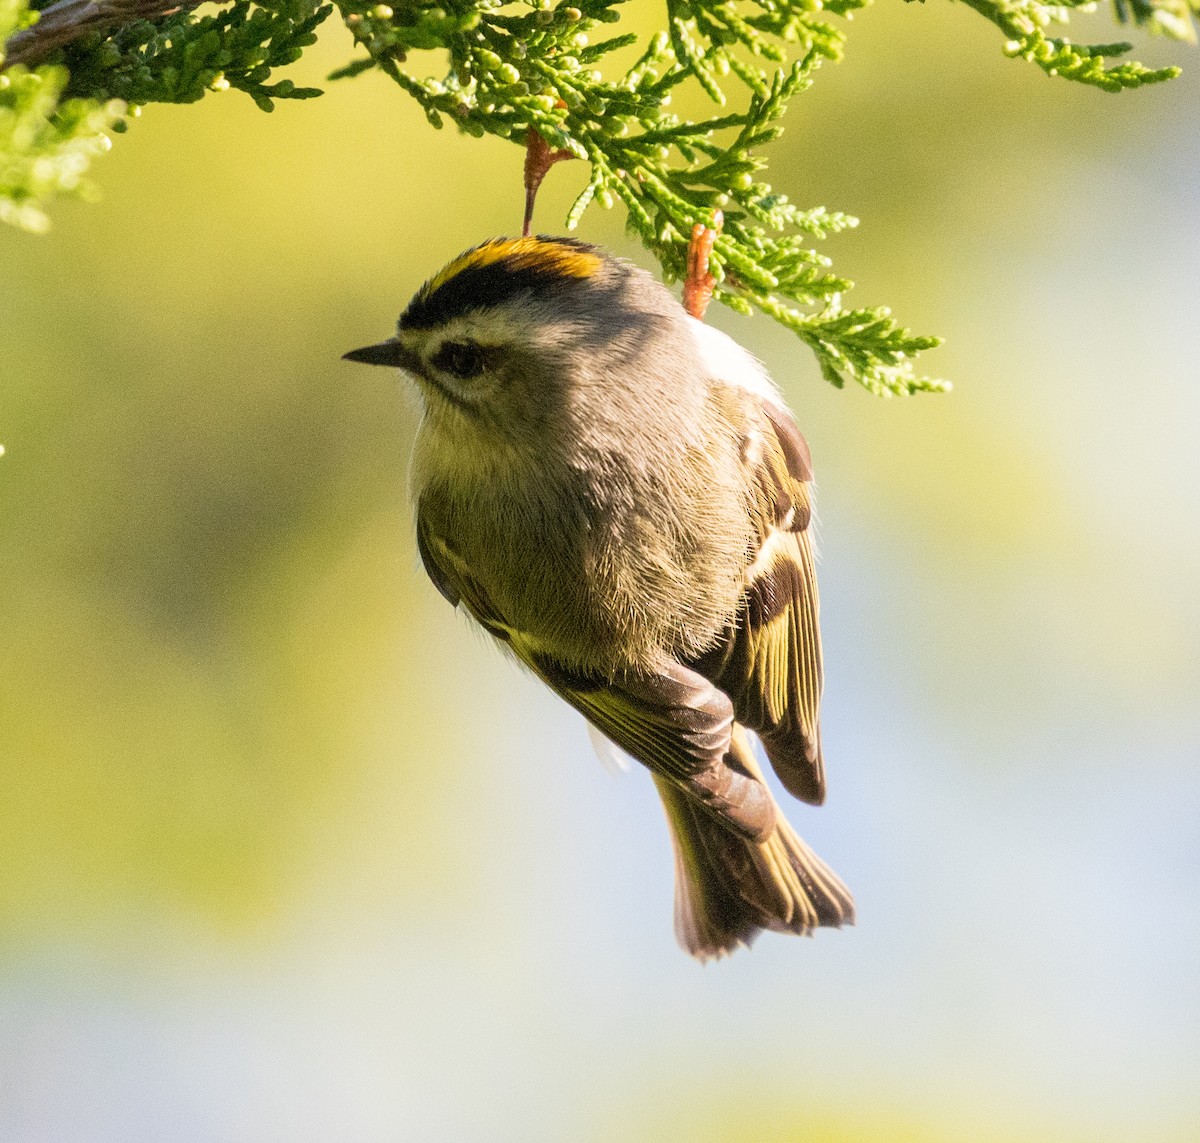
{"x": 287, "y": 852}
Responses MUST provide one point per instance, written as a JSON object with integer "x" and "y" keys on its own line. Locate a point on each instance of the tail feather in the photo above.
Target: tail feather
{"x": 728, "y": 889}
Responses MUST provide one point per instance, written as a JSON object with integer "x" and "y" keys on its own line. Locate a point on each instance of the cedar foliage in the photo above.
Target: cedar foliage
{"x": 73, "y": 72}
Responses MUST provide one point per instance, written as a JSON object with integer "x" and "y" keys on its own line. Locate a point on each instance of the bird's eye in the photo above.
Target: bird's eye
{"x": 461, "y": 358}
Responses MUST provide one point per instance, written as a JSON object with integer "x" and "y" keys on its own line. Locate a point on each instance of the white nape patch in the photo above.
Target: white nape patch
{"x": 729, "y": 362}
{"x": 611, "y": 756}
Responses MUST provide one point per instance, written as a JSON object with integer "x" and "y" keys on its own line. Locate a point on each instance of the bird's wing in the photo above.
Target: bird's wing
{"x": 769, "y": 662}
{"x": 675, "y": 721}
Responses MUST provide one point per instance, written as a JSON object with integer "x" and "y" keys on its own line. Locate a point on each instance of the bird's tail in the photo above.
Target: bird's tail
{"x": 727, "y": 888}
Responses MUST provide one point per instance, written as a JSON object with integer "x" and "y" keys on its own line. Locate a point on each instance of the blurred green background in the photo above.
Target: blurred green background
{"x": 287, "y": 852}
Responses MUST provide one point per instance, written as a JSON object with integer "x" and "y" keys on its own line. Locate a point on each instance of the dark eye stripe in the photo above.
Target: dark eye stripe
{"x": 460, "y": 358}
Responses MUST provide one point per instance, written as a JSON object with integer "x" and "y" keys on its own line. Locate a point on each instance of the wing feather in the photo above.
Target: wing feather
{"x": 769, "y": 661}
{"x": 675, "y": 721}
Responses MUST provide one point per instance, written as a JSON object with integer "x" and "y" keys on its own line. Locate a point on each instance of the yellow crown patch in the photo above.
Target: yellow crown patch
{"x": 548, "y": 257}
{"x": 498, "y": 270}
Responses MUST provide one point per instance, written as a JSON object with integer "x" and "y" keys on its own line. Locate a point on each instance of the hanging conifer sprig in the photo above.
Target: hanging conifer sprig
{"x": 72, "y": 70}
{"x": 509, "y": 73}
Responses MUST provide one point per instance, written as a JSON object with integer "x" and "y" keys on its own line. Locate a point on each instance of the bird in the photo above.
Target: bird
{"x": 617, "y": 493}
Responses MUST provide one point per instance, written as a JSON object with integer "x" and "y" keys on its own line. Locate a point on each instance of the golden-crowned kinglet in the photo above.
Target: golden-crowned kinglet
{"x": 617, "y": 492}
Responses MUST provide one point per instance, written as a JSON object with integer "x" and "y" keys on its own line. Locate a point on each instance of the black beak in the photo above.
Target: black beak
{"x": 389, "y": 352}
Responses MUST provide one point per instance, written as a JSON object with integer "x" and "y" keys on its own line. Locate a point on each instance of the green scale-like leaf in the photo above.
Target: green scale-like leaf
{"x": 513, "y": 66}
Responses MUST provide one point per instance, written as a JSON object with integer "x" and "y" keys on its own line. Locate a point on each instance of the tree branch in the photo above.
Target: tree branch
{"x": 66, "y": 20}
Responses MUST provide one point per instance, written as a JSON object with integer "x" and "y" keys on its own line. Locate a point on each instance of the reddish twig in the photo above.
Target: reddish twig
{"x": 699, "y": 283}
{"x": 538, "y": 161}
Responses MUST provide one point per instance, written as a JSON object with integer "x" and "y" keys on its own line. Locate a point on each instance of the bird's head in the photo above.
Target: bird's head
{"x": 499, "y": 337}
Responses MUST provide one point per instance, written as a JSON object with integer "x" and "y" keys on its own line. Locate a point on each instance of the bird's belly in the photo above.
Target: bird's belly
{"x": 599, "y": 588}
